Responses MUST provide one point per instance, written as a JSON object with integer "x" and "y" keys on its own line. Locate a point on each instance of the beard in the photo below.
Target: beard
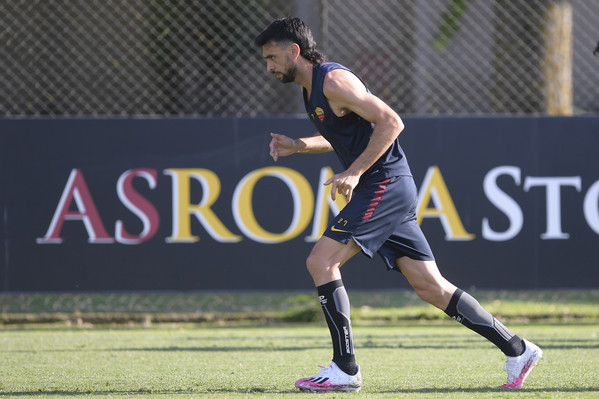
{"x": 289, "y": 75}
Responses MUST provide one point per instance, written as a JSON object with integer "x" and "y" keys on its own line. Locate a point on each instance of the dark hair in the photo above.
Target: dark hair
{"x": 294, "y": 30}
{"x": 596, "y": 49}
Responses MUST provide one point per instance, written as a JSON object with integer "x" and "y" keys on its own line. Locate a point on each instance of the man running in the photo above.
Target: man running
{"x": 380, "y": 216}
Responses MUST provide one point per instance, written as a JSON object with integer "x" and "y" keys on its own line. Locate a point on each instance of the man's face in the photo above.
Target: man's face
{"x": 279, "y": 61}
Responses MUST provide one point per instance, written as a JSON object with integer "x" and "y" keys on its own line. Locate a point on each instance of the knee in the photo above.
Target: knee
{"x": 312, "y": 263}
{"x": 427, "y": 281}
{"x": 321, "y": 270}
{"x": 425, "y": 291}
{"x": 432, "y": 293}
{"x": 315, "y": 264}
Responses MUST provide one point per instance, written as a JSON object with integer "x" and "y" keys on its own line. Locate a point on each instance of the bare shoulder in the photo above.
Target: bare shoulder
{"x": 340, "y": 82}
{"x": 347, "y": 93}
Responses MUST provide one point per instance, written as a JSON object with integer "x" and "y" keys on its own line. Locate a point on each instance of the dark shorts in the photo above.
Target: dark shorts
{"x": 381, "y": 217}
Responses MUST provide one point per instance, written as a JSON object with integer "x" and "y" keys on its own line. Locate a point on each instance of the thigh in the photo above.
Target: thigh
{"x": 420, "y": 272}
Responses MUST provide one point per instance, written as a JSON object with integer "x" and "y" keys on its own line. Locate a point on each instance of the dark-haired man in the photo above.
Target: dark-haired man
{"x": 380, "y": 216}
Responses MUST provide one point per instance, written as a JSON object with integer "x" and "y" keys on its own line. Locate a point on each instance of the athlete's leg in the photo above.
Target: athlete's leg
{"x": 324, "y": 262}
{"x": 432, "y": 287}
{"x": 427, "y": 281}
{"x": 327, "y": 257}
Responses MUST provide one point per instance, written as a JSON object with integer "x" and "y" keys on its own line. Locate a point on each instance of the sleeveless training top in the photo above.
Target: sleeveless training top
{"x": 349, "y": 135}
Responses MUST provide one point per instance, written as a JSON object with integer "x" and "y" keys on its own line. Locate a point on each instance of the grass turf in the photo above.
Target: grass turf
{"x": 428, "y": 359}
{"x": 389, "y": 306}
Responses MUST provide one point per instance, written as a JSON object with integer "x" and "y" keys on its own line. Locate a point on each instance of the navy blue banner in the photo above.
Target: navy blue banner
{"x": 185, "y": 204}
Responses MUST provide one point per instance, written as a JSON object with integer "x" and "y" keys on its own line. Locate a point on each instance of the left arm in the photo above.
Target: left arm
{"x": 346, "y": 93}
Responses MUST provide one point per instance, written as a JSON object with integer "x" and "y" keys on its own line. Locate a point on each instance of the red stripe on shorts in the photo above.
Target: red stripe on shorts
{"x": 375, "y": 200}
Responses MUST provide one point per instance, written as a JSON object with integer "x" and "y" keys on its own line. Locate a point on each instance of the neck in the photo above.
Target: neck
{"x": 303, "y": 75}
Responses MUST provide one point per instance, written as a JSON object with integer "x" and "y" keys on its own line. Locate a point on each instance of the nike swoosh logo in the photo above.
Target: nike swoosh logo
{"x": 333, "y": 228}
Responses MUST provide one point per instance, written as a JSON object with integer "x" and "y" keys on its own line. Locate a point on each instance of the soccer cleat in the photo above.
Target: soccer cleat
{"x": 331, "y": 378}
{"x": 518, "y": 367}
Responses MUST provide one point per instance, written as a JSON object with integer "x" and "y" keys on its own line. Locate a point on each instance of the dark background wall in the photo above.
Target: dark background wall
{"x": 525, "y": 192}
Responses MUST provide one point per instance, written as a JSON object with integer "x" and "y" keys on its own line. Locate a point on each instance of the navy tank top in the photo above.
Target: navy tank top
{"x": 349, "y": 135}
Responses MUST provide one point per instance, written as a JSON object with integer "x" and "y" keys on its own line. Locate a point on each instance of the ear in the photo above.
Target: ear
{"x": 295, "y": 50}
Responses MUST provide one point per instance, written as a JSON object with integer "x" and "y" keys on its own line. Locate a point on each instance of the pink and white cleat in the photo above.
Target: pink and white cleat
{"x": 518, "y": 367}
{"x": 331, "y": 378}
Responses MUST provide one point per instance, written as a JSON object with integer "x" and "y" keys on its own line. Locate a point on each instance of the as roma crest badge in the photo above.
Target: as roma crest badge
{"x": 320, "y": 113}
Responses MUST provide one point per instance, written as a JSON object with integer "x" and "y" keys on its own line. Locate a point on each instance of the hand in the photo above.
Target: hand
{"x": 281, "y": 146}
{"x": 344, "y": 184}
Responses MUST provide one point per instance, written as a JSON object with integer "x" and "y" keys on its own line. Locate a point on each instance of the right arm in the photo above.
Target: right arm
{"x": 282, "y": 146}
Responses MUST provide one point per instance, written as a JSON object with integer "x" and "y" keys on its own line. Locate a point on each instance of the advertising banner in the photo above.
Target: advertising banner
{"x": 198, "y": 204}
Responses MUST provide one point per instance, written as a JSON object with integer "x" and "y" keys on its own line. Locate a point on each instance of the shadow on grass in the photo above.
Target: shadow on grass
{"x": 274, "y": 344}
{"x": 260, "y": 390}
{"x": 484, "y": 390}
{"x": 141, "y": 392}
{"x": 226, "y": 348}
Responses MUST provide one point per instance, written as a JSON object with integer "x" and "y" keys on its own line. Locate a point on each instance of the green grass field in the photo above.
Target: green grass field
{"x": 402, "y": 357}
